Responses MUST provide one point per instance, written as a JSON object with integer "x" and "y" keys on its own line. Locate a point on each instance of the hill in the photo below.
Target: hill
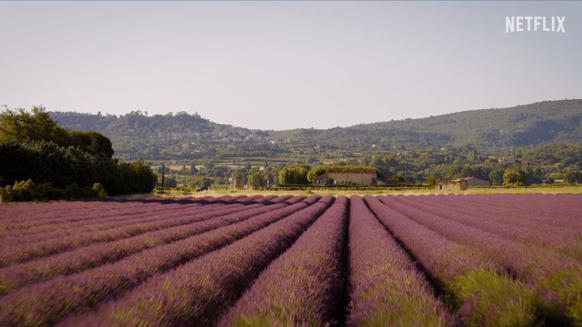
{"x": 160, "y": 136}
{"x": 182, "y": 135}
{"x": 523, "y": 125}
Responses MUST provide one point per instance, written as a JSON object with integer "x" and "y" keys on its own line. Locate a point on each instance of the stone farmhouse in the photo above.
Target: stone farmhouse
{"x": 460, "y": 184}
{"x": 474, "y": 181}
{"x": 452, "y": 185}
{"x": 357, "y": 176}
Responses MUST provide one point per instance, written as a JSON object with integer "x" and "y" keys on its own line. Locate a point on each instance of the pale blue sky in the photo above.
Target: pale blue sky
{"x": 282, "y": 65}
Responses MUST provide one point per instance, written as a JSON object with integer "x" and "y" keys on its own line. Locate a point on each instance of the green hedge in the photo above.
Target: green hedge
{"x": 28, "y": 191}
{"x": 543, "y": 185}
{"x": 302, "y": 187}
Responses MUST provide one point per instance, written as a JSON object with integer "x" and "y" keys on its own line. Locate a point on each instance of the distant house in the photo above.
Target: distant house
{"x": 356, "y": 176}
{"x": 474, "y": 181}
{"x": 452, "y": 185}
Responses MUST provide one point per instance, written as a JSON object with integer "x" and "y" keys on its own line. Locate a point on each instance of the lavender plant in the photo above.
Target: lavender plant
{"x": 473, "y": 284}
{"x": 66, "y": 263}
{"x": 386, "y": 288}
{"x": 304, "y": 285}
{"x": 46, "y": 302}
{"x": 198, "y": 292}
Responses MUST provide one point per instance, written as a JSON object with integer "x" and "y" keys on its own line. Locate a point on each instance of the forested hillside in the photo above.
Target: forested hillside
{"x": 527, "y": 125}
{"x": 186, "y": 136}
{"x": 137, "y": 135}
{"x": 543, "y": 139}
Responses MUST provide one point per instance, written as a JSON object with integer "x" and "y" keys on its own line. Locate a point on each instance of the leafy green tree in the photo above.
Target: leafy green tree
{"x": 310, "y": 160}
{"x": 572, "y": 177}
{"x": 397, "y": 179}
{"x": 22, "y": 126}
{"x": 431, "y": 180}
{"x": 467, "y": 171}
{"x": 496, "y": 176}
{"x": 46, "y": 162}
{"x": 514, "y": 176}
{"x": 208, "y": 165}
{"x": 170, "y": 181}
{"x": 29, "y": 191}
{"x": 450, "y": 171}
{"x": 140, "y": 177}
{"x": 377, "y": 162}
{"x": 294, "y": 175}
{"x": 90, "y": 141}
{"x": 315, "y": 171}
{"x": 254, "y": 179}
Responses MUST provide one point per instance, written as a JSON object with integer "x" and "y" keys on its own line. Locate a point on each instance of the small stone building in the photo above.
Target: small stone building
{"x": 356, "y": 176}
{"x": 474, "y": 181}
{"x": 452, "y": 185}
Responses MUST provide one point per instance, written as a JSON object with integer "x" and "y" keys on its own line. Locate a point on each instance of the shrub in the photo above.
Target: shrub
{"x": 29, "y": 191}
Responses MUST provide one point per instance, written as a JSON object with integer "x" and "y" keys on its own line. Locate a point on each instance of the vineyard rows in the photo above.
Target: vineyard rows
{"x": 447, "y": 260}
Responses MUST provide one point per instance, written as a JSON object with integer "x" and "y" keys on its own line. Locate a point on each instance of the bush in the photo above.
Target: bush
{"x": 29, "y": 191}
{"x": 301, "y": 187}
{"x": 47, "y": 162}
{"x": 543, "y": 185}
{"x": 514, "y": 177}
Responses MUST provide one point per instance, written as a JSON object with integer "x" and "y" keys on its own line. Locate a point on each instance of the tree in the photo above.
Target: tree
{"x": 294, "y": 175}
{"x": 377, "y": 162}
{"x": 254, "y": 179}
{"x": 90, "y": 141}
{"x": 514, "y": 176}
{"x": 396, "y": 179}
{"x": 310, "y": 160}
{"x": 572, "y": 177}
{"x": 22, "y": 126}
{"x": 467, "y": 171}
{"x": 208, "y": 165}
{"x": 450, "y": 171}
{"x": 496, "y": 176}
{"x": 431, "y": 180}
{"x": 315, "y": 171}
{"x": 170, "y": 182}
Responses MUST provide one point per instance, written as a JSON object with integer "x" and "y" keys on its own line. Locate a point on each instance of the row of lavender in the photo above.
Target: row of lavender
{"x": 77, "y": 280}
{"x": 24, "y": 248}
{"x": 537, "y": 252}
{"x": 373, "y": 261}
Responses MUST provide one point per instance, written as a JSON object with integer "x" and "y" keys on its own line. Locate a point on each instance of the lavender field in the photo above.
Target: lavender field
{"x": 446, "y": 260}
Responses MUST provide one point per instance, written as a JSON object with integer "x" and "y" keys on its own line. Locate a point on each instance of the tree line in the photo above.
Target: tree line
{"x": 34, "y": 147}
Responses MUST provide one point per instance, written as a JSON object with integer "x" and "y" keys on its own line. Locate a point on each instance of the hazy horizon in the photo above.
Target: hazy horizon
{"x": 286, "y": 65}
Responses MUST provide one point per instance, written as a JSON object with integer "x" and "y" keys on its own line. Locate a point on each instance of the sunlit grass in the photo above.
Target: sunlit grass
{"x": 348, "y": 193}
